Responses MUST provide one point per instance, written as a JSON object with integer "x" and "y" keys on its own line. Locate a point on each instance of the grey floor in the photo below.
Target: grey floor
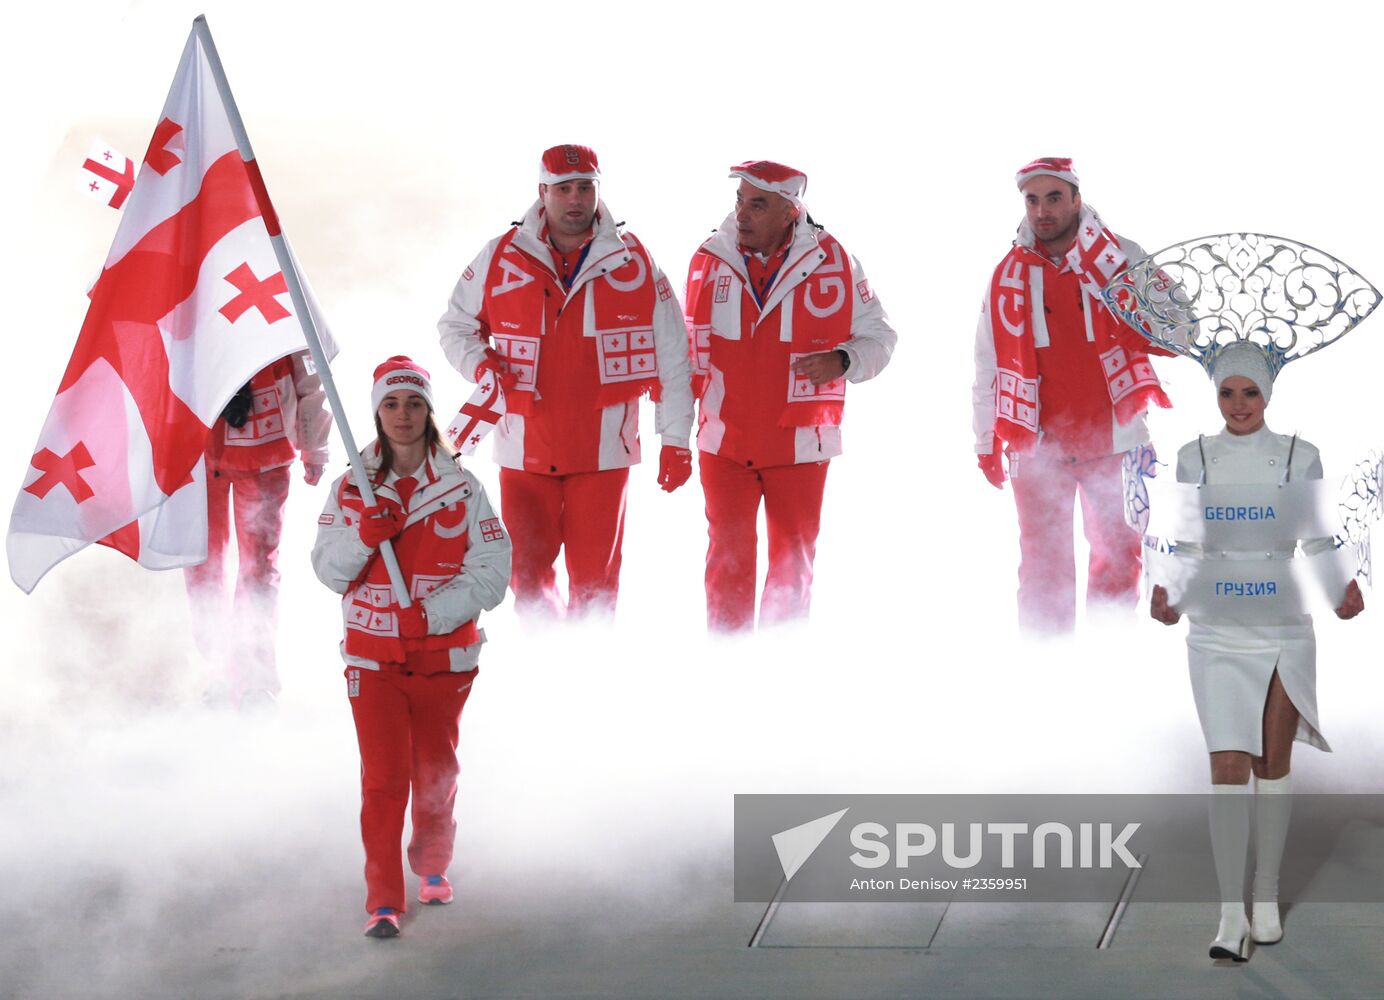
{"x": 569, "y": 940}
{"x": 151, "y": 847}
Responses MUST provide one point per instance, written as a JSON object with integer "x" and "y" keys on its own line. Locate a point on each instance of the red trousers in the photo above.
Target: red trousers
{"x": 583, "y": 515}
{"x": 406, "y": 724}
{"x": 239, "y": 637}
{"x": 1044, "y": 491}
{"x": 792, "y": 497}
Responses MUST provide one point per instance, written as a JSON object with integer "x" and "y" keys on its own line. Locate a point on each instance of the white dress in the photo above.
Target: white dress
{"x": 1231, "y": 665}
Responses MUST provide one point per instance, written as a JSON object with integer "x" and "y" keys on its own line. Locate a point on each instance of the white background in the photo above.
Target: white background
{"x": 396, "y": 141}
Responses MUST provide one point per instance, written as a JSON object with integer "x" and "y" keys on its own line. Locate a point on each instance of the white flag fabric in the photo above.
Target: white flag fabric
{"x": 107, "y": 175}
{"x": 190, "y": 304}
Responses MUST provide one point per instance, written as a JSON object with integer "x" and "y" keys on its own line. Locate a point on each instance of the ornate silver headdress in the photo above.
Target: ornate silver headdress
{"x": 1198, "y": 297}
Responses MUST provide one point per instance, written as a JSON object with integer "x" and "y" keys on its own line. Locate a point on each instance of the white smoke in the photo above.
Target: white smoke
{"x": 150, "y": 843}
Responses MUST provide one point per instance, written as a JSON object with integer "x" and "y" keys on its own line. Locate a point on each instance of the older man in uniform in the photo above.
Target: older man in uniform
{"x": 780, "y": 319}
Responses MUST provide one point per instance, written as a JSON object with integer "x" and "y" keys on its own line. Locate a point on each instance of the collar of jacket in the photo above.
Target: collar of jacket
{"x": 608, "y": 249}
{"x": 441, "y": 483}
{"x": 805, "y": 255}
{"x": 1025, "y": 238}
{"x": 436, "y": 467}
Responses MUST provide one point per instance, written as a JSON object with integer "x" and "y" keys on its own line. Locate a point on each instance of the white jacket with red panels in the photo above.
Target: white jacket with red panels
{"x": 289, "y": 413}
{"x": 453, "y": 550}
{"x": 743, "y": 353}
{"x": 568, "y": 429}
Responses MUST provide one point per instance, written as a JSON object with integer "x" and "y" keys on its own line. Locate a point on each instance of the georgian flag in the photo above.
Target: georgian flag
{"x": 478, "y": 415}
{"x": 190, "y": 304}
{"x": 107, "y": 175}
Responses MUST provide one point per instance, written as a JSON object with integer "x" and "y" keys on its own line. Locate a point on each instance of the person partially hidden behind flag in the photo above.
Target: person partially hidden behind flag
{"x": 571, "y": 312}
{"x": 275, "y": 417}
{"x": 1061, "y": 387}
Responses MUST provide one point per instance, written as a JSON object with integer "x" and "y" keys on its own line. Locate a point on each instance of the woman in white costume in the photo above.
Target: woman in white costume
{"x": 1254, "y": 685}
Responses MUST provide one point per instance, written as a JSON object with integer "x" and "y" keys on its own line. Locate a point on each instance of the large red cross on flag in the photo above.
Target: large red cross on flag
{"x": 190, "y": 304}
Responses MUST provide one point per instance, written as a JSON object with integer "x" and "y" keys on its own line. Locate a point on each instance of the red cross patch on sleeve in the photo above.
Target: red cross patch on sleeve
{"x": 327, "y": 519}
{"x": 863, "y": 290}
{"x": 664, "y": 292}
{"x": 492, "y": 530}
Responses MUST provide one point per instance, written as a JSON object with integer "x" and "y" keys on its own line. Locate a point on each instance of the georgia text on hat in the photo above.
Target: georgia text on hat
{"x": 398, "y": 371}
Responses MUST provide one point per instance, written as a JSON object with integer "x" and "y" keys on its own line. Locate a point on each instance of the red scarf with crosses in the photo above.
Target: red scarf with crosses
{"x": 431, "y": 546}
{"x": 617, "y": 317}
{"x": 819, "y": 310}
{"x": 1096, "y": 256}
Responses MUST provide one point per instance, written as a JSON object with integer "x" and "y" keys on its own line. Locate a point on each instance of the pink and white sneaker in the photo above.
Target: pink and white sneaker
{"x": 435, "y": 890}
{"x": 383, "y": 923}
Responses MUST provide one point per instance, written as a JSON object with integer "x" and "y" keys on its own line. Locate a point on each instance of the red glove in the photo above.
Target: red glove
{"x": 497, "y": 366}
{"x": 380, "y": 522}
{"x": 674, "y": 467}
{"x": 1353, "y": 604}
{"x": 1159, "y": 608}
{"x": 993, "y": 464}
{"x": 413, "y": 621}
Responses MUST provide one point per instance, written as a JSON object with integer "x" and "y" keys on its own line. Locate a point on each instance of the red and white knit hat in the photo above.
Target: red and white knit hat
{"x": 773, "y": 177}
{"x": 400, "y": 372}
{"x": 568, "y": 163}
{"x": 1047, "y": 166}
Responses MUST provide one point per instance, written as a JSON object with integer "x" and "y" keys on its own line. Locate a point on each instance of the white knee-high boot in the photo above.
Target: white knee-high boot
{"x": 1273, "y": 807}
{"x": 1230, "y": 848}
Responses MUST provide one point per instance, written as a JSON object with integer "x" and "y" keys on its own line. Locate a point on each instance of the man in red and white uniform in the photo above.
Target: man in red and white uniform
{"x": 1061, "y": 387}
{"x": 576, "y": 319}
{"x": 780, "y": 319}
{"x": 277, "y": 416}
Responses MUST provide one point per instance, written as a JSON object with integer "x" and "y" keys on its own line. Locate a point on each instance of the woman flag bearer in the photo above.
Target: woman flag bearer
{"x": 409, "y": 670}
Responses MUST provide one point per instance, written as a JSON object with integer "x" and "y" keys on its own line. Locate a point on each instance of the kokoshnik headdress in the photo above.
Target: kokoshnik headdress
{"x": 1200, "y": 297}
{"x": 1213, "y": 298}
